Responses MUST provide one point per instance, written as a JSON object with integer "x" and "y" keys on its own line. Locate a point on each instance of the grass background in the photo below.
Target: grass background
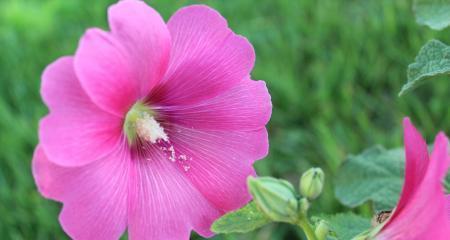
{"x": 334, "y": 69}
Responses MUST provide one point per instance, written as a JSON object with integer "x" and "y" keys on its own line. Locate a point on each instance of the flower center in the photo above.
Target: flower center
{"x": 140, "y": 123}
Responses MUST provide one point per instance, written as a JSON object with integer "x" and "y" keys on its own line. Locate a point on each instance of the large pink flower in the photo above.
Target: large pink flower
{"x": 423, "y": 209}
{"x": 152, "y": 127}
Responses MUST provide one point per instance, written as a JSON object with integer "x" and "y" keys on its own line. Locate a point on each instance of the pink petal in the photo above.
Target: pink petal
{"x": 105, "y": 70}
{"x": 207, "y": 58}
{"x": 244, "y": 107}
{"x": 60, "y": 88}
{"x": 164, "y": 204}
{"x": 94, "y": 196}
{"x": 218, "y": 163}
{"x": 440, "y": 159}
{"x": 416, "y": 155}
{"x": 448, "y": 206}
{"x": 425, "y": 216}
{"x": 144, "y": 34}
{"x": 76, "y": 131}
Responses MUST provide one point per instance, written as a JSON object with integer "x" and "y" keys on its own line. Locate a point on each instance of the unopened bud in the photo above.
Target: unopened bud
{"x": 275, "y": 197}
{"x": 311, "y": 183}
{"x": 304, "y": 206}
{"x": 322, "y": 230}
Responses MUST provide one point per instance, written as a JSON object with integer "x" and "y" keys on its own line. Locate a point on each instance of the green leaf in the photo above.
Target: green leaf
{"x": 345, "y": 226}
{"x": 433, "y": 13}
{"x": 432, "y": 61}
{"x": 243, "y": 220}
{"x": 375, "y": 175}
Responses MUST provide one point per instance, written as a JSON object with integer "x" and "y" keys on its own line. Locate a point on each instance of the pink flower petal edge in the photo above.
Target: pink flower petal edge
{"x": 76, "y": 131}
{"x": 94, "y": 195}
{"x": 422, "y": 212}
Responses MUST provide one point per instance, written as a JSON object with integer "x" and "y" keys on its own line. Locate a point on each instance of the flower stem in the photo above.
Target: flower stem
{"x": 304, "y": 224}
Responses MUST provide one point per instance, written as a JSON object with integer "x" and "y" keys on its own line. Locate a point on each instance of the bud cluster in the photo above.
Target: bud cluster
{"x": 278, "y": 199}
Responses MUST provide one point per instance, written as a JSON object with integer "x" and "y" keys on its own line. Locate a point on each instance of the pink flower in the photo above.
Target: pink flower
{"x": 423, "y": 209}
{"x": 153, "y": 127}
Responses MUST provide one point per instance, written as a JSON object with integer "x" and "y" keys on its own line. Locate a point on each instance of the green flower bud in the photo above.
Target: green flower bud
{"x": 322, "y": 230}
{"x": 275, "y": 197}
{"x": 304, "y": 206}
{"x": 311, "y": 183}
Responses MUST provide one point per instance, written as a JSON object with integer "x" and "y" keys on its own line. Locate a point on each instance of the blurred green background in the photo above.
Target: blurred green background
{"x": 334, "y": 69}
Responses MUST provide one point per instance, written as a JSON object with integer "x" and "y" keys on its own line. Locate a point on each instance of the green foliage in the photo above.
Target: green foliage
{"x": 375, "y": 175}
{"x": 333, "y": 70}
{"x": 242, "y": 220}
{"x": 345, "y": 226}
{"x": 432, "y": 61}
{"x": 433, "y": 13}
{"x": 447, "y": 182}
